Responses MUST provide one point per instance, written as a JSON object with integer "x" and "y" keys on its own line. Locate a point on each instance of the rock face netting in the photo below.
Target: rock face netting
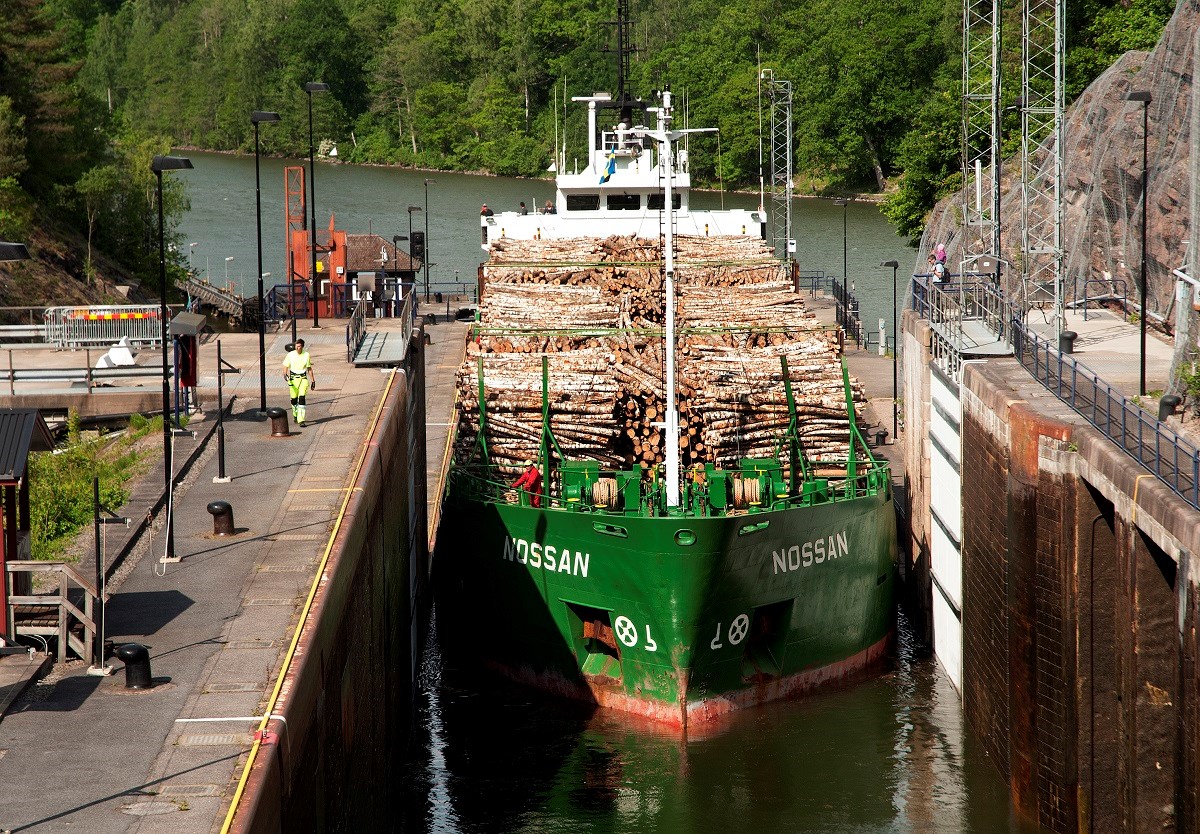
{"x": 1102, "y": 181}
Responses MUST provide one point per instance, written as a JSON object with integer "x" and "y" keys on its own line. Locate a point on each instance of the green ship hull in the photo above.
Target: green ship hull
{"x": 678, "y": 618}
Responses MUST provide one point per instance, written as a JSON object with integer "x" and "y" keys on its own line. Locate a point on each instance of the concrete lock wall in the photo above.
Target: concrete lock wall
{"x": 347, "y": 696}
{"x": 1079, "y": 673}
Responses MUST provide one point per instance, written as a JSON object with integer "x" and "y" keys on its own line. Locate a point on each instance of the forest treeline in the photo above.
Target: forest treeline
{"x": 91, "y": 89}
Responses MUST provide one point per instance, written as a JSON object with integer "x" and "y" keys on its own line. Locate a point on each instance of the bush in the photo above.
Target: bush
{"x": 60, "y": 487}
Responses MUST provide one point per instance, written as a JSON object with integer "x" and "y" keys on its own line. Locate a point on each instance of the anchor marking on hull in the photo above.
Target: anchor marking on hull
{"x": 626, "y": 631}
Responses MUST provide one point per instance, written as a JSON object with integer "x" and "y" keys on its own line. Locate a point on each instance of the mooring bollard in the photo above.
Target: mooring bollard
{"x": 1066, "y": 341}
{"x": 222, "y": 513}
{"x": 279, "y": 422}
{"x": 136, "y": 658}
{"x": 1167, "y": 406}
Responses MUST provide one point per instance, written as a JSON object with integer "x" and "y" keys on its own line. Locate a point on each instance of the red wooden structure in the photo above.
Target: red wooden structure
{"x": 22, "y": 430}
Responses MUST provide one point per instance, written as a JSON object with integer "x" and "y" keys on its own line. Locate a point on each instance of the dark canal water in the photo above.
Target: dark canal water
{"x": 888, "y": 754}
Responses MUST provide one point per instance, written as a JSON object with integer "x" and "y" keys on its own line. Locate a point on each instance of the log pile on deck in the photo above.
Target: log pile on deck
{"x": 594, "y": 308}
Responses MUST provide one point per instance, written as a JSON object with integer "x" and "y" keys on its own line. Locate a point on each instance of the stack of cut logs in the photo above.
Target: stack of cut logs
{"x": 594, "y": 308}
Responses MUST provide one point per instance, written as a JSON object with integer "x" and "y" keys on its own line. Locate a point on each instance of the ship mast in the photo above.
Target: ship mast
{"x": 665, "y": 138}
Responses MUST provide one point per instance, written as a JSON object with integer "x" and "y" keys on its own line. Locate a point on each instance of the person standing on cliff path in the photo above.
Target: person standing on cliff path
{"x": 299, "y": 375}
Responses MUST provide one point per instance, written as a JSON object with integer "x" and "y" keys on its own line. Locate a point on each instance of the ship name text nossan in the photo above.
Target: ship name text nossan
{"x": 809, "y": 553}
{"x": 547, "y": 557}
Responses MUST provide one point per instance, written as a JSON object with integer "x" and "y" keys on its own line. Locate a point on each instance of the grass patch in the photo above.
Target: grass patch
{"x": 60, "y": 486}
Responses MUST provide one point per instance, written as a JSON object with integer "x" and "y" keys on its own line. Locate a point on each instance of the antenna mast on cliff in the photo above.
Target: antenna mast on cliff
{"x": 980, "y": 131}
{"x": 1043, "y": 49}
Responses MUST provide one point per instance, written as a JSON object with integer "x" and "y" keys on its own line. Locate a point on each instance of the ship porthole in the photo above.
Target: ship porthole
{"x": 685, "y": 537}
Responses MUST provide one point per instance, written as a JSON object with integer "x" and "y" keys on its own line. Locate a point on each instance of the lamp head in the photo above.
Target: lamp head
{"x": 892, "y": 264}
{"x": 162, "y": 163}
{"x": 411, "y": 209}
{"x": 398, "y": 238}
{"x": 841, "y": 201}
{"x": 1139, "y": 95}
{"x": 257, "y": 116}
{"x": 316, "y": 87}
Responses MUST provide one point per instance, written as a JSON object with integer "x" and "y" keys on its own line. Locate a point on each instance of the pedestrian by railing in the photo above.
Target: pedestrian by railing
{"x": 1152, "y": 443}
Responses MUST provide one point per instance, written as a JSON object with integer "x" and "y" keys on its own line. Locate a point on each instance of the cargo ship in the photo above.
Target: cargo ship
{"x": 659, "y": 498}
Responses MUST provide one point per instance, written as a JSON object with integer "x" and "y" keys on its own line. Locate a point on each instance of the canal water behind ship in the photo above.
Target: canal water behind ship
{"x": 887, "y": 754}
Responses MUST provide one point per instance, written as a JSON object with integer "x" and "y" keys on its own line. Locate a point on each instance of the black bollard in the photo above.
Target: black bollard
{"x": 1167, "y": 406}
{"x": 136, "y": 658}
{"x": 279, "y": 422}
{"x": 1066, "y": 341}
{"x": 222, "y": 513}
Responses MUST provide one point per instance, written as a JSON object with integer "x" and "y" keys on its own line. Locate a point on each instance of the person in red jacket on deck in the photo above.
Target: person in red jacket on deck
{"x": 531, "y": 480}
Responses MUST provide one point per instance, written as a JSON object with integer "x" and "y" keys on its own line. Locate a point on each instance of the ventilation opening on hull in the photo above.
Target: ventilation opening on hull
{"x": 596, "y": 645}
{"x": 763, "y": 658}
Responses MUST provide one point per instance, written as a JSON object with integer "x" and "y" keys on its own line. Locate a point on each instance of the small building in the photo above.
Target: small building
{"x": 22, "y": 430}
{"x": 348, "y": 267}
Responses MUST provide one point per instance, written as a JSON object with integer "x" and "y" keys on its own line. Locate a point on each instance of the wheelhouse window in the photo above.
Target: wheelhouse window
{"x": 583, "y": 202}
{"x": 655, "y": 201}
{"x": 624, "y": 202}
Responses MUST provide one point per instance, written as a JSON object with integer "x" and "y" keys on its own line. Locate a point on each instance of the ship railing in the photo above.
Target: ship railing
{"x": 874, "y": 477}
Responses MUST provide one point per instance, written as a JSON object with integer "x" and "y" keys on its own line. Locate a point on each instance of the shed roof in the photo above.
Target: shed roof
{"x": 22, "y": 430}
{"x": 362, "y": 255}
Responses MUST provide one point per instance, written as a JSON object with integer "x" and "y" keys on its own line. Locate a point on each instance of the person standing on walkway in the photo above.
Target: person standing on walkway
{"x": 298, "y": 372}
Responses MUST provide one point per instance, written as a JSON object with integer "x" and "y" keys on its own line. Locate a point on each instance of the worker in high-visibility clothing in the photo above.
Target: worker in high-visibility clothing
{"x": 298, "y": 371}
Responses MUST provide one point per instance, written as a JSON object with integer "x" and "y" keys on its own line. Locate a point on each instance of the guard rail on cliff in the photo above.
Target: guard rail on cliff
{"x": 1153, "y": 444}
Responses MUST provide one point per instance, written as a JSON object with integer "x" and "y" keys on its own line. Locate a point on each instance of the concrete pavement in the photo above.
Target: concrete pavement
{"x": 83, "y": 753}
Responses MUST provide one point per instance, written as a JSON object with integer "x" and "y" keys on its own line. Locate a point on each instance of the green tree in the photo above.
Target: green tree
{"x": 97, "y": 189}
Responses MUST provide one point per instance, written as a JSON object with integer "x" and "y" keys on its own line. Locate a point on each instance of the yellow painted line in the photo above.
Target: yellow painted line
{"x": 304, "y": 613}
{"x": 325, "y": 489}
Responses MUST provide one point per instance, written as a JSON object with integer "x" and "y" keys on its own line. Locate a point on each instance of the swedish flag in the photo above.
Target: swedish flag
{"x": 610, "y": 168}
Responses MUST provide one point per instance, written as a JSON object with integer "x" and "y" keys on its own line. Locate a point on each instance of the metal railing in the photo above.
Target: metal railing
{"x": 356, "y": 329}
{"x": 76, "y": 327}
{"x": 286, "y": 301}
{"x": 1116, "y": 291}
{"x": 1170, "y": 458}
{"x": 73, "y": 590}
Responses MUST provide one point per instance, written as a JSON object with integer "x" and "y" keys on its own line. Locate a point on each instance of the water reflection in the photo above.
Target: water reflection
{"x": 886, "y": 755}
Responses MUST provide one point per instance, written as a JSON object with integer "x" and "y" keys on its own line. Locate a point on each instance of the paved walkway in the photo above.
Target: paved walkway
{"x": 82, "y": 753}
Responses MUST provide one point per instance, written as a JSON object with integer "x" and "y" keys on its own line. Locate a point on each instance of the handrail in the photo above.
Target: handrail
{"x": 67, "y": 610}
{"x": 1109, "y": 284}
{"x": 356, "y": 329}
{"x": 1168, "y": 456}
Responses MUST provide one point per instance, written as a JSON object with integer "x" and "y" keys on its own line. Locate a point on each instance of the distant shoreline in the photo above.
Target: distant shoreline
{"x": 855, "y": 197}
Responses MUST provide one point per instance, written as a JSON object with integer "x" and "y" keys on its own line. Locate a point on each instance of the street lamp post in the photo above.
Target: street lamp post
{"x": 895, "y": 265}
{"x": 227, "y": 260}
{"x": 411, "y": 209}
{"x": 310, "y": 88}
{"x": 158, "y": 165}
{"x": 845, "y": 269}
{"x": 425, "y": 255}
{"x": 396, "y": 259}
{"x": 1145, "y": 98}
{"x": 256, "y": 117}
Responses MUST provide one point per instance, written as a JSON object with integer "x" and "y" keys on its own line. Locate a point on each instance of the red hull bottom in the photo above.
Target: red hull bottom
{"x": 704, "y": 716}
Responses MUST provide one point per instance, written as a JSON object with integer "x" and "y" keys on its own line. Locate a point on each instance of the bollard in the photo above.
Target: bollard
{"x": 1167, "y": 405}
{"x": 1066, "y": 341}
{"x": 279, "y": 422}
{"x": 222, "y": 513}
{"x": 136, "y": 658}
